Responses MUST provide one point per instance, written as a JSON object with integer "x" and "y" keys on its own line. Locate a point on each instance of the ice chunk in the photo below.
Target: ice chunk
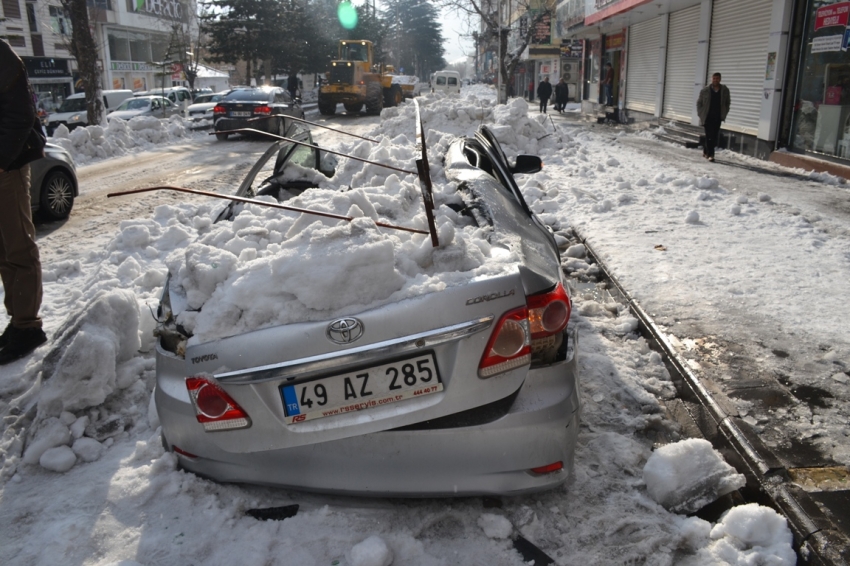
{"x": 371, "y": 552}
{"x": 495, "y": 526}
{"x": 52, "y": 433}
{"x": 88, "y": 449}
{"x": 59, "y": 459}
{"x": 687, "y": 475}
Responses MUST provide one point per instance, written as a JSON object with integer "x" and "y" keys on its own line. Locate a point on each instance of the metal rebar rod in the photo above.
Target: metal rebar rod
{"x": 315, "y": 124}
{"x": 261, "y": 203}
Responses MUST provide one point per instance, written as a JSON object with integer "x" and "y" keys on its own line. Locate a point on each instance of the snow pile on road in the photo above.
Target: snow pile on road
{"x": 81, "y": 442}
{"x": 688, "y": 475}
{"x": 119, "y": 137}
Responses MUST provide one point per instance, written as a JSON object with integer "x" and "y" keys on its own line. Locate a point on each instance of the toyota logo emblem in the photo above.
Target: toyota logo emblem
{"x": 345, "y": 330}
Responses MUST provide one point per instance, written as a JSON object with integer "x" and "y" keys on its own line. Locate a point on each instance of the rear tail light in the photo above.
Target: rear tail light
{"x": 262, "y": 110}
{"x": 219, "y": 109}
{"x": 549, "y": 468}
{"x": 509, "y": 345}
{"x": 214, "y": 408}
{"x": 531, "y": 334}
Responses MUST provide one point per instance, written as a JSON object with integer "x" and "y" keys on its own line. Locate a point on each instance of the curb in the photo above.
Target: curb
{"x": 817, "y": 540}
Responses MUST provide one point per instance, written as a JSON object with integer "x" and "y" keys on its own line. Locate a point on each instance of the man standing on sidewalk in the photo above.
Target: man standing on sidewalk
{"x": 544, "y": 91}
{"x": 608, "y": 85}
{"x": 712, "y": 107}
{"x": 21, "y": 142}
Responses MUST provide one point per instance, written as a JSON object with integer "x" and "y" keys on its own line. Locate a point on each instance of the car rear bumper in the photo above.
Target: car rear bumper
{"x": 496, "y": 457}
{"x": 269, "y": 125}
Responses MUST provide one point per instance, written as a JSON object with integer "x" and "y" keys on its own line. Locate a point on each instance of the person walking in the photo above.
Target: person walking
{"x": 713, "y": 106}
{"x": 562, "y": 95}
{"x": 544, "y": 91}
{"x": 531, "y": 90}
{"x": 608, "y": 85}
{"x": 21, "y": 142}
{"x": 292, "y": 84}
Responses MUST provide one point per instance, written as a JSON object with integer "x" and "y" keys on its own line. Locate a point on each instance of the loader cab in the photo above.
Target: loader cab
{"x": 355, "y": 51}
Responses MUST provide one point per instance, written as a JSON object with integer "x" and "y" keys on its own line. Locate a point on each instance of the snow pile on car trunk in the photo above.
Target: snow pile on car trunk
{"x": 269, "y": 267}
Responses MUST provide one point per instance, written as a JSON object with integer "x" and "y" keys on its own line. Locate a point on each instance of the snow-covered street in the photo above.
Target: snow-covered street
{"x": 744, "y": 263}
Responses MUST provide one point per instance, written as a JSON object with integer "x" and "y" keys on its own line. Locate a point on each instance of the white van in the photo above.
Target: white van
{"x": 446, "y": 81}
{"x": 73, "y": 113}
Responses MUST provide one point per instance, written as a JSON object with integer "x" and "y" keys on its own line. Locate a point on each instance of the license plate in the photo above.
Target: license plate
{"x": 361, "y": 389}
{"x": 240, "y": 113}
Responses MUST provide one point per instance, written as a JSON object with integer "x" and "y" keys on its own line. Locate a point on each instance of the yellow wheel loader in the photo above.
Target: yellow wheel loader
{"x": 355, "y": 81}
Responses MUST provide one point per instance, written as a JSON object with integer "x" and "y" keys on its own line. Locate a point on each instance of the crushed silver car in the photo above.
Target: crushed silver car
{"x": 466, "y": 391}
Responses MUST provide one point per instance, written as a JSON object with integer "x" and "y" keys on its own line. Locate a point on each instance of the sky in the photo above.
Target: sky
{"x": 457, "y": 47}
{"x": 82, "y": 437}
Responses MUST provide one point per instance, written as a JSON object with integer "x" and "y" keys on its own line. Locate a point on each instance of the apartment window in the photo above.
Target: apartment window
{"x": 99, "y": 4}
{"x": 59, "y": 21}
{"x": 16, "y": 41}
{"x": 12, "y": 10}
{"x": 37, "y": 45}
{"x": 31, "y": 17}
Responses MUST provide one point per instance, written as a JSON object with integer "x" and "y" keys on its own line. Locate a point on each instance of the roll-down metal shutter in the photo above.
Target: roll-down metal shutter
{"x": 642, "y": 66}
{"x": 740, "y": 32}
{"x": 682, "y": 44}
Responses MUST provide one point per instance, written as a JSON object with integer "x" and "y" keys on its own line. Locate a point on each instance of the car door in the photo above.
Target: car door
{"x": 170, "y": 108}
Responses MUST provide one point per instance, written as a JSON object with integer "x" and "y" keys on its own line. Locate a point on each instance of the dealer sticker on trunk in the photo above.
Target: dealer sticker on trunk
{"x": 361, "y": 389}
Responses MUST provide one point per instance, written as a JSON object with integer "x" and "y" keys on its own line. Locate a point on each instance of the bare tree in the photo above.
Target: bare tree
{"x": 84, "y": 50}
{"x": 496, "y": 20}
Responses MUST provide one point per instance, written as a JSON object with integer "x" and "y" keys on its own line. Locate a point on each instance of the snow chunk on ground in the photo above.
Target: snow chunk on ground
{"x": 371, "y": 552}
{"x": 750, "y": 534}
{"x": 687, "y": 475}
{"x": 495, "y": 526}
{"x": 51, "y": 433}
{"x": 88, "y": 449}
{"x": 59, "y": 459}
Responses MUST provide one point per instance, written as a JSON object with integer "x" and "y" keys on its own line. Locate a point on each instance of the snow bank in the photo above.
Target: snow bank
{"x": 119, "y": 137}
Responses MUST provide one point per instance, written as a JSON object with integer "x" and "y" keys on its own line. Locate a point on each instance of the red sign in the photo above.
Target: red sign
{"x": 616, "y": 41}
{"x": 832, "y": 15}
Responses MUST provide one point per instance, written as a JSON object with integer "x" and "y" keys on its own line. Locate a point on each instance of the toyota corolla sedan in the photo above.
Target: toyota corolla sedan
{"x": 469, "y": 390}
{"x": 260, "y": 108}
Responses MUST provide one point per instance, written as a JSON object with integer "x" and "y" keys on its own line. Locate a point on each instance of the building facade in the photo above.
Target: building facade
{"x": 136, "y": 42}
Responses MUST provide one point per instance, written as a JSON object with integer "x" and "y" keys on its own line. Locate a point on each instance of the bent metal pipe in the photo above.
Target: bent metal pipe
{"x": 262, "y": 203}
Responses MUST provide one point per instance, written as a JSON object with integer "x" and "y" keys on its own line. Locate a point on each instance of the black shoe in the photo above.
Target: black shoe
{"x": 711, "y": 159}
{"x": 4, "y": 338}
{"x": 22, "y": 341}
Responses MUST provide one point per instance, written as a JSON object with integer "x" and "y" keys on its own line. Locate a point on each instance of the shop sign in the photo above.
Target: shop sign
{"x": 130, "y": 66}
{"x": 571, "y": 48}
{"x": 615, "y": 41}
{"x": 832, "y": 15}
{"x": 828, "y": 43}
{"x": 46, "y": 67}
{"x": 542, "y": 31}
{"x": 171, "y": 9}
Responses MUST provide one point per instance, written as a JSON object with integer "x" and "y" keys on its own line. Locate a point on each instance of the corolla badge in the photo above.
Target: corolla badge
{"x": 344, "y": 330}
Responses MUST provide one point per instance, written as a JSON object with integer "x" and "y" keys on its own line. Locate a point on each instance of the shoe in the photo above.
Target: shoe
{"x": 711, "y": 159}
{"x": 22, "y": 341}
{"x": 4, "y": 338}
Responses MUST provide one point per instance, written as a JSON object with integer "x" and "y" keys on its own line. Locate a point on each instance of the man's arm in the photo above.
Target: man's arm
{"x": 16, "y": 110}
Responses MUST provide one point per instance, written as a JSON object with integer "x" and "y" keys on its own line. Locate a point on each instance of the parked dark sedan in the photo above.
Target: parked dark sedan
{"x": 53, "y": 184}
{"x": 241, "y": 107}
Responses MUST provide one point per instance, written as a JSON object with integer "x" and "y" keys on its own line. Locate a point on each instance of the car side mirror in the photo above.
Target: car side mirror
{"x": 527, "y": 164}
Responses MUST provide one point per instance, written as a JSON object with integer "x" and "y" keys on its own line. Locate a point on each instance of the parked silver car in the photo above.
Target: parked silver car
{"x": 202, "y": 108}
{"x": 469, "y": 390}
{"x": 155, "y": 106}
{"x": 53, "y": 185}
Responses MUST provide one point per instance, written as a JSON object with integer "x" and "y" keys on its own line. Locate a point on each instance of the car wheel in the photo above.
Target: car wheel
{"x": 221, "y": 137}
{"x": 57, "y": 195}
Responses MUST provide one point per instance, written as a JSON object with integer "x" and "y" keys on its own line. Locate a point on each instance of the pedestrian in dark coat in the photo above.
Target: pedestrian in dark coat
{"x": 21, "y": 142}
{"x": 713, "y": 106}
{"x": 562, "y": 95}
{"x": 608, "y": 84}
{"x": 544, "y": 91}
{"x": 292, "y": 84}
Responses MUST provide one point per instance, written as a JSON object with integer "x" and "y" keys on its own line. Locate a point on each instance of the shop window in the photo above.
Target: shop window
{"x": 140, "y": 48}
{"x": 60, "y": 23}
{"x": 99, "y": 4}
{"x": 119, "y": 46}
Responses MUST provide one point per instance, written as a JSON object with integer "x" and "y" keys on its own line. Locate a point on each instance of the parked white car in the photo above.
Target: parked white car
{"x": 202, "y": 109}
{"x": 156, "y": 106}
{"x": 73, "y": 112}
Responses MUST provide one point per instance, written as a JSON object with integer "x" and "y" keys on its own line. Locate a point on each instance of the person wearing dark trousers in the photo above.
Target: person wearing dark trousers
{"x": 608, "y": 85}
{"x": 21, "y": 142}
{"x": 544, "y": 91}
{"x": 531, "y": 90}
{"x": 713, "y": 106}
{"x": 292, "y": 84}
{"x": 562, "y": 95}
